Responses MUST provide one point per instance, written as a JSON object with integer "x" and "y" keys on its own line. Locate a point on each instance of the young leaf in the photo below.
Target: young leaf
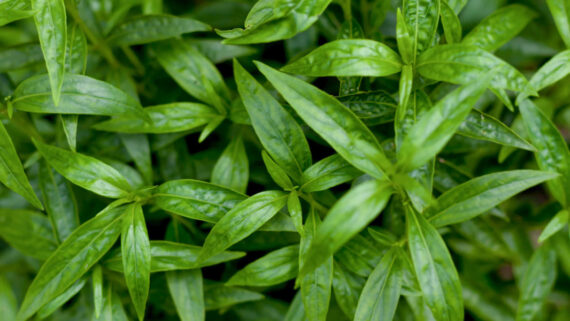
{"x": 295, "y": 211}
{"x": 79, "y": 95}
{"x": 135, "y": 249}
{"x": 276, "y": 172}
{"x": 451, "y": 24}
{"x": 552, "y": 151}
{"x": 537, "y": 282}
{"x": 97, "y": 280}
{"x": 381, "y": 292}
{"x": 76, "y": 51}
{"x": 51, "y": 24}
{"x": 187, "y": 292}
{"x": 232, "y": 168}
{"x": 28, "y": 231}
{"x": 85, "y": 171}
{"x": 332, "y": 121}
{"x": 352, "y": 213}
{"x": 405, "y": 113}
{"x": 481, "y": 194}
{"x": 557, "y": 223}
{"x": 422, "y": 17}
{"x": 552, "y": 71}
{"x": 560, "y": 10}
{"x": 405, "y": 41}
{"x": 150, "y": 28}
{"x": 278, "y": 132}
{"x": 242, "y": 220}
{"x": 348, "y": 57}
{"x": 328, "y": 172}
{"x": 434, "y": 268}
{"x": 274, "y": 268}
{"x": 499, "y": 27}
{"x": 72, "y": 259}
{"x": 12, "y": 172}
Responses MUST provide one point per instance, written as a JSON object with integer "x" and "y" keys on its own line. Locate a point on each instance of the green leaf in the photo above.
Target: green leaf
{"x": 51, "y": 24}
{"x": 499, "y": 27}
{"x": 351, "y": 214}
{"x": 14, "y": 10}
{"x": 72, "y": 259}
{"x": 557, "y": 223}
{"x": 278, "y": 132}
{"x": 76, "y": 51}
{"x": 422, "y": 17}
{"x": 537, "y": 282}
{"x": 328, "y": 172}
{"x": 7, "y": 300}
{"x": 434, "y": 268}
{"x": 20, "y": 56}
{"x": 59, "y": 201}
{"x": 187, "y": 292}
{"x": 97, "y": 280}
{"x": 150, "y": 28}
{"x": 552, "y": 151}
{"x": 467, "y": 64}
{"x": 196, "y": 199}
{"x": 232, "y": 168}
{"x": 270, "y": 21}
{"x": 12, "y": 172}
{"x": 485, "y": 303}
{"x": 61, "y": 299}
{"x": 405, "y": 41}
{"x": 218, "y": 52}
{"x": 28, "y": 231}
{"x": 170, "y": 256}
{"x": 79, "y": 95}
{"x": 481, "y": 194}
{"x": 69, "y": 125}
{"x": 168, "y": 118}
{"x": 278, "y": 175}
{"x": 348, "y": 57}
{"x": 135, "y": 249}
{"x": 552, "y": 71}
{"x": 405, "y": 113}
{"x": 381, "y": 292}
{"x": 219, "y": 296}
{"x": 193, "y": 72}
{"x": 560, "y": 10}
{"x": 373, "y": 107}
{"x": 451, "y": 24}
{"x": 479, "y": 125}
{"x": 273, "y": 268}
{"x": 347, "y": 288}
{"x": 315, "y": 284}
{"x": 138, "y": 148}
{"x": 242, "y": 220}
{"x": 434, "y": 129}
{"x": 85, "y": 171}
{"x": 334, "y": 122}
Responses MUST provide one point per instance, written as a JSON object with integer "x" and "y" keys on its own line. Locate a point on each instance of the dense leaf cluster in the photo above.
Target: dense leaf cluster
{"x": 297, "y": 160}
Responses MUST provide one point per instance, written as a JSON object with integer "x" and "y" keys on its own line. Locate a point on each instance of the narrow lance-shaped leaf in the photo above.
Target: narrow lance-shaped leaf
{"x": 85, "y": 171}
{"x": 373, "y": 107}
{"x": 12, "y": 172}
{"x": 51, "y": 24}
{"x": 135, "y": 249}
{"x": 557, "y": 223}
{"x": 560, "y": 10}
{"x": 499, "y": 27}
{"x": 451, "y": 24}
{"x": 405, "y": 41}
{"x": 405, "y": 113}
{"x": 97, "y": 281}
{"x": 481, "y": 194}
{"x": 219, "y": 296}
{"x": 278, "y": 132}
{"x": 74, "y": 257}
{"x": 434, "y": 129}
{"x": 348, "y": 57}
{"x": 138, "y": 148}
{"x": 61, "y": 299}
{"x": 14, "y": 10}
{"x": 552, "y": 71}
{"x": 332, "y": 121}
{"x": 296, "y": 211}
{"x": 278, "y": 175}
{"x": 28, "y": 231}
{"x": 537, "y": 282}
{"x": 7, "y": 299}
{"x": 187, "y": 292}
{"x": 242, "y": 220}
{"x": 381, "y": 292}
{"x": 347, "y": 288}
{"x": 76, "y": 51}
{"x": 352, "y": 213}
{"x": 434, "y": 268}
{"x": 422, "y": 17}
{"x": 552, "y": 151}
{"x": 232, "y": 168}
{"x": 328, "y": 172}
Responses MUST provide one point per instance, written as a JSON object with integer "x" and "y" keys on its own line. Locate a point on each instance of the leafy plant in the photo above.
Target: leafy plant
{"x": 303, "y": 160}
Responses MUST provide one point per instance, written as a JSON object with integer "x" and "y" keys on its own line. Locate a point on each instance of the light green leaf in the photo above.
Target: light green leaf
{"x": 348, "y": 57}
{"x": 422, "y": 17}
{"x": 451, "y": 24}
{"x": 560, "y": 10}
{"x": 97, "y": 281}
{"x": 76, "y": 51}
{"x": 135, "y": 249}
{"x": 434, "y": 268}
{"x": 334, "y": 122}
{"x": 232, "y": 168}
{"x": 187, "y": 292}
{"x": 79, "y": 95}
{"x": 552, "y": 151}
{"x": 12, "y": 172}
{"x": 69, "y": 125}
{"x": 8, "y": 303}
{"x": 28, "y": 231}
{"x": 242, "y": 220}
{"x": 61, "y": 299}
{"x": 405, "y": 41}
{"x": 220, "y": 296}
{"x": 278, "y": 132}
{"x": 351, "y": 214}
{"x": 51, "y": 23}
{"x": 150, "y": 28}
{"x": 552, "y": 71}
{"x": 499, "y": 27}
{"x": 557, "y": 223}
{"x": 481, "y": 194}
{"x": 328, "y": 172}
{"x": 85, "y": 171}
{"x": 381, "y": 292}
{"x": 347, "y": 288}
{"x": 273, "y": 268}
{"x": 405, "y": 113}
{"x": 72, "y": 259}
{"x": 278, "y": 175}
{"x": 14, "y": 10}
